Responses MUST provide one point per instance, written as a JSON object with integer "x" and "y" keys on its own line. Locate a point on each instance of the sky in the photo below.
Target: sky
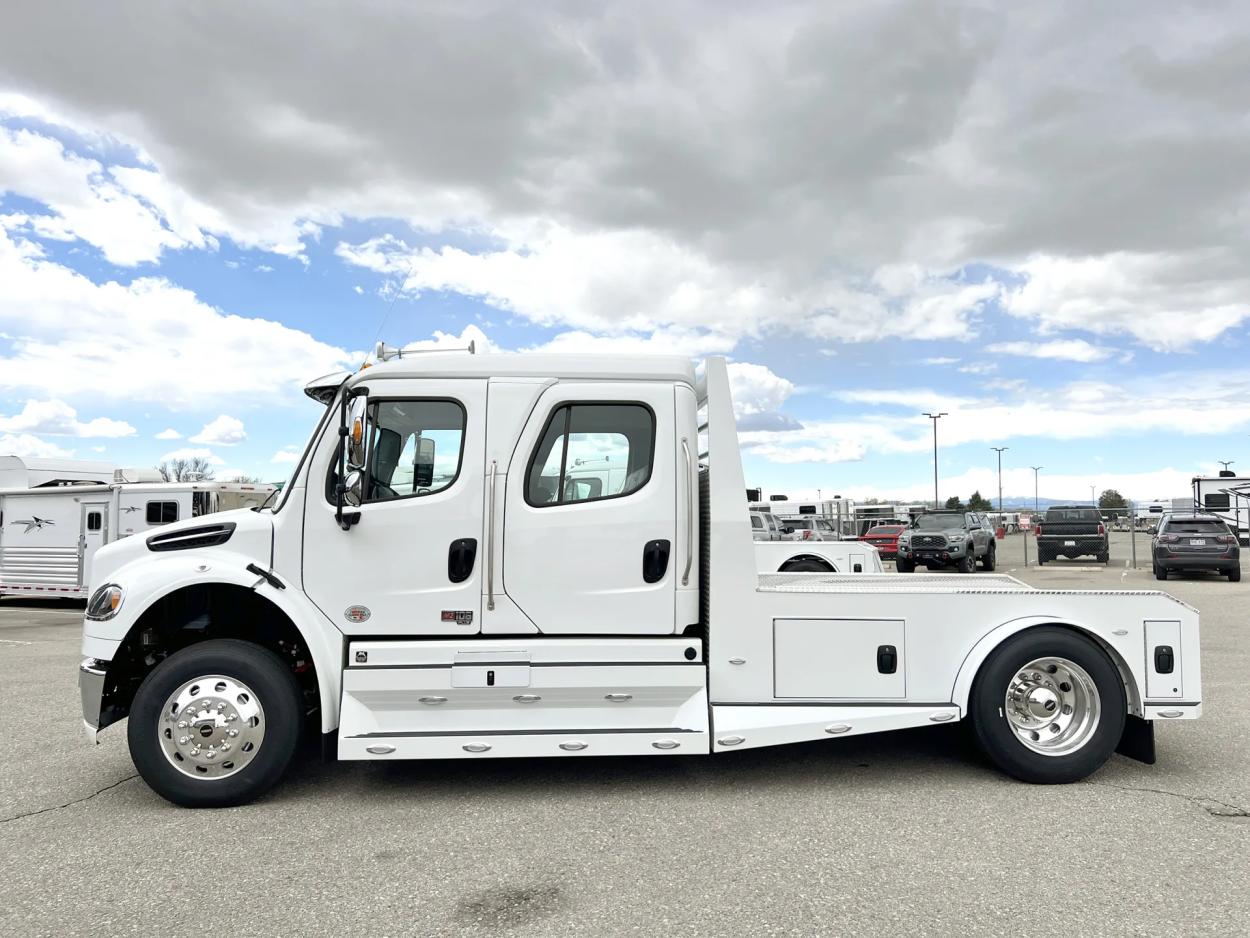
{"x": 1031, "y": 217}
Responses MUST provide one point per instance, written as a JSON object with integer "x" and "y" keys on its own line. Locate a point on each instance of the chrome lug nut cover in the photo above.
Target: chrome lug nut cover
{"x": 205, "y": 719}
{"x": 1053, "y": 706}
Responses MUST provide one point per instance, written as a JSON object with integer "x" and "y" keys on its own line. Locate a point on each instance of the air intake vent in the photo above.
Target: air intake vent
{"x": 208, "y": 535}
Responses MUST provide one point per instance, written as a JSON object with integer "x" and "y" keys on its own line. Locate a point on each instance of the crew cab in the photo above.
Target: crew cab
{"x": 437, "y": 580}
{"x": 1072, "y": 531}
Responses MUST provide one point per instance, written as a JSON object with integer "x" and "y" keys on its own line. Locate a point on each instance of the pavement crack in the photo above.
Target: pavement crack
{"x": 1213, "y": 806}
{"x": 58, "y": 807}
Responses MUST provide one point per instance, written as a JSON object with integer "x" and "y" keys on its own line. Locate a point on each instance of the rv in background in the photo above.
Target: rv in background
{"x": 1227, "y": 495}
{"x": 55, "y": 514}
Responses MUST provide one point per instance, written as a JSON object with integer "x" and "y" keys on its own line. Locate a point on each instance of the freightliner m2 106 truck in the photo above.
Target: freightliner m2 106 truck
{"x": 507, "y": 555}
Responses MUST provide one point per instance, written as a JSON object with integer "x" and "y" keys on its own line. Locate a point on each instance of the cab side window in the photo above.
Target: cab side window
{"x": 414, "y": 448}
{"x": 589, "y": 452}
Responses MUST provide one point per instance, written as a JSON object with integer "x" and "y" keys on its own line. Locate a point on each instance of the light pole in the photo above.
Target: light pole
{"x": 1000, "y": 450}
{"x": 1093, "y": 500}
{"x": 1036, "y": 470}
{"x": 935, "y": 418}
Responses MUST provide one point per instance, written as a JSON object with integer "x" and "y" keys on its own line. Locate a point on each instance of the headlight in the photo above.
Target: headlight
{"x": 104, "y": 602}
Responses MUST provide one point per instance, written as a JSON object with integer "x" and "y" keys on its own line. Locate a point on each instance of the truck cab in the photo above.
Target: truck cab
{"x": 515, "y": 555}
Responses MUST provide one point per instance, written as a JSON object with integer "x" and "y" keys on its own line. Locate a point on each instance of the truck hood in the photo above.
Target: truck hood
{"x": 251, "y": 535}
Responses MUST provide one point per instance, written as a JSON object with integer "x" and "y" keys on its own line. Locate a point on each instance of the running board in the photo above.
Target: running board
{"x": 496, "y": 745}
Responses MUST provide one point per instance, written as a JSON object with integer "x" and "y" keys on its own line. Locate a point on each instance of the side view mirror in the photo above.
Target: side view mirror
{"x": 356, "y": 433}
{"x": 423, "y": 469}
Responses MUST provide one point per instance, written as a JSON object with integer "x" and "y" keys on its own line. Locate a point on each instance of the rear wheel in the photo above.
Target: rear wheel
{"x": 1104, "y": 557}
{"x": 215, "y": 724}
{"x": 990, "y": 560}
{"x": 1161, "y": 573}
{"x": 1048, "y": 706}
{"x": 806, "y": 565}
{"x": 1234, "y": 575}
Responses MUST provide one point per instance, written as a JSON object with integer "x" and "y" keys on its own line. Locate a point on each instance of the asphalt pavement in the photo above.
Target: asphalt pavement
{"x": 904, "y": 833}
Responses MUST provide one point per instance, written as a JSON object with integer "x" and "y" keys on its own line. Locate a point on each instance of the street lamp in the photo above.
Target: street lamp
{"x": 1093, "y": 500}
{"x": 935, "y": 418}
{"x": 1000, "y": 450}
{"x": 1036, "y": 470}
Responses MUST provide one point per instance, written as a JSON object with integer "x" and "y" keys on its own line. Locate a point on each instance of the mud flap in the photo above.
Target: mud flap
{"x": 1138, "y": 740}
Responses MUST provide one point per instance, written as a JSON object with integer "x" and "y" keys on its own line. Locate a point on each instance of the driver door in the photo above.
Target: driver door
{"x": 411, "y": 562}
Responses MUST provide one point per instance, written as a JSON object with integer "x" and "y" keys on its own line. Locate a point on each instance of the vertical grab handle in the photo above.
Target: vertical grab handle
{"x": 685, "y": 575}
{"x": 490, "y": 539}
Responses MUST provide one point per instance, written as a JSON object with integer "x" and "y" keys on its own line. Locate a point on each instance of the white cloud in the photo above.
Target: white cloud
{"x": 1073, "y": 350}
{"x": 147, "y": 340}
{"x": 223, "y": 431}
{"x": 169, "y": 434}
{"x": 287, "y": 456}
{"x": 99, "y": 449}
{"x": 26, "y": 444}
{"x": 56, "y": 418}
{"x": 191, "y": 452}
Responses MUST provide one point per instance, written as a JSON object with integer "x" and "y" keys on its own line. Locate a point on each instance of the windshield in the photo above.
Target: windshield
{"x": 937, "y": 522}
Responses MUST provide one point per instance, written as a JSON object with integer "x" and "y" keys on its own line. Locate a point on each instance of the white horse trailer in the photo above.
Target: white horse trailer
{"x": 49, "y": 534}
{"x": 1227, "y": 496}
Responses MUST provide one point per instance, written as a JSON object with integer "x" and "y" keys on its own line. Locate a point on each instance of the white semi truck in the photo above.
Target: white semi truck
{"x": 427, "y": 587}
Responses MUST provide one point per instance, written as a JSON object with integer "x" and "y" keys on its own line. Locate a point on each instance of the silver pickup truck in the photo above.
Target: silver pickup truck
{"x": 946, "y": 539}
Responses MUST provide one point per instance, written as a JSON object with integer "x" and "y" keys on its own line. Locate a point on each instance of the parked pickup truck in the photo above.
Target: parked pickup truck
{"x": 948, "y": 539}
{"x": 1072, "y": 531}
{"x": 443, "y": 577}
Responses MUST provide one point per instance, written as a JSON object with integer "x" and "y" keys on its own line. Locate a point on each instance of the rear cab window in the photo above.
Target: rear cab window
{"x": 591, "y": 452}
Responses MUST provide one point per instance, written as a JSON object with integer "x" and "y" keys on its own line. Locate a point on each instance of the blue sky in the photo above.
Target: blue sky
{"x": 1054, "y": 259}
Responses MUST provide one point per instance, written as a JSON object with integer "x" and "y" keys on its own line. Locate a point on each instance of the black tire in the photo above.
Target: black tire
{"x": 806, "y": 566}
{"x": 1234, "y": 575}
{"x": 965, "y": 564}
{"x": 1041, "y": 557}
{"x": 1161, "y": 573}
{"x": 990, "y": 560}
{"x": 278, "y": 693}
{"x": 904, "y": 566}
{"x": 993, "y": 732}
{"x": 1104, "y": 557}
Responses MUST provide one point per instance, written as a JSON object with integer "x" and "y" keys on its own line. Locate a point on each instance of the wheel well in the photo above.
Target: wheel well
{"x": 195, "y": 614}
{"x": 808, "y": 557}
{"x": 1126, "y": 675}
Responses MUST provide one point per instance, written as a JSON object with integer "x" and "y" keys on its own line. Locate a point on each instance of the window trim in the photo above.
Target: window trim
{"x": 542, "y": 434}
{"x": 162, "y": 501}
{"x": 369, "y": 404}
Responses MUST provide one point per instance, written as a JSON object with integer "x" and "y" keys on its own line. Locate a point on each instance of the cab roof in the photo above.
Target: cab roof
{"x": 596, "y": 367}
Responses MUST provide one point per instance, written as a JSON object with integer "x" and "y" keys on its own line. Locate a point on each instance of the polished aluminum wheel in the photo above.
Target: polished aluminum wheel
{"x": 1052, "y": 705}
{"x": 211, "y": 727}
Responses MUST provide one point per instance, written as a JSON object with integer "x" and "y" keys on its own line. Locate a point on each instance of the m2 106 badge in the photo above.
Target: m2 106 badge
{"x": 458, "y": 616}
{"x": 357, "y": 614}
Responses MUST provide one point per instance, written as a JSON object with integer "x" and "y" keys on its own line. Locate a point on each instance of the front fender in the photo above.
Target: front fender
{"x": 151, "y": 578}
{"x": 1111, "y": 644}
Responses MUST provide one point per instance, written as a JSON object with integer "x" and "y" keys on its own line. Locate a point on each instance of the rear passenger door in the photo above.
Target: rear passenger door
{"x": 590, "y": 511}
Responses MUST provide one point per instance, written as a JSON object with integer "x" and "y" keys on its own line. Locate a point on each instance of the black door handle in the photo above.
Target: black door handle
{"x": 460, "y": 557}
{"x": 887, "y": 659}
{"x": 1165, "y": 659}
{"x": 655, "y": 561}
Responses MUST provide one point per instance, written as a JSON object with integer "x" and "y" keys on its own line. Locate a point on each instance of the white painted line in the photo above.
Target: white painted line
{"x": 13, "y": 641}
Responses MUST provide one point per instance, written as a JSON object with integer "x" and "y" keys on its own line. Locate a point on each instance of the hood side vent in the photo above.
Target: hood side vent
{"x": 208, "y": 535}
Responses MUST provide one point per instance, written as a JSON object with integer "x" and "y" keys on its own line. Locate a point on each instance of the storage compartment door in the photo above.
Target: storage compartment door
{"x": 1163, "y": 660}
{"x": 845, "y": 659}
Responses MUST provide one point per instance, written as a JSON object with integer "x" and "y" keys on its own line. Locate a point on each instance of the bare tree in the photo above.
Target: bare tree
{"x": 195, "y": 469}
{"x": 244, "y": 478}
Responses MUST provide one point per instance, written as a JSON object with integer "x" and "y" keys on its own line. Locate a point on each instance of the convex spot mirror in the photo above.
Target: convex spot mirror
{"x": 423, "y": 469}
{"x": 353, "y": 488}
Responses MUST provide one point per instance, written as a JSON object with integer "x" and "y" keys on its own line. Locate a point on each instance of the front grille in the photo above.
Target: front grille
{"x": 928, "y": 541}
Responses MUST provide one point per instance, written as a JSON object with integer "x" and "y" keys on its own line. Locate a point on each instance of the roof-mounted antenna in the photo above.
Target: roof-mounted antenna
{"x": 386, "y": 353}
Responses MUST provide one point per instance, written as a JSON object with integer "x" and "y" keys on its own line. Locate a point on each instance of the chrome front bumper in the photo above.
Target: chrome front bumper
{"x": 91, "y": 675}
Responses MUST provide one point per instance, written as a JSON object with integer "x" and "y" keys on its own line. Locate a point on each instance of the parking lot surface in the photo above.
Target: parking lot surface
{"x": 908, "y": 832}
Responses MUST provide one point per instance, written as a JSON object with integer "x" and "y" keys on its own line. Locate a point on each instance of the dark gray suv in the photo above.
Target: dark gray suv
{"x": 1196, "y": 541}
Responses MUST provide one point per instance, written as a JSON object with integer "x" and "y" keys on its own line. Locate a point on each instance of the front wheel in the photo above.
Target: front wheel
{"x": 904, "y": 566}
{"x": 215, "y": 724}
{"x": 1048, "y": 706}
{"x": 964, "y": 565}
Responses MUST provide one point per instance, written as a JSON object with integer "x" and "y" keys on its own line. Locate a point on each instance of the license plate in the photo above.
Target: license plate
{"x": 1069, "y": 543}
{"x": 1197, "y": 542}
